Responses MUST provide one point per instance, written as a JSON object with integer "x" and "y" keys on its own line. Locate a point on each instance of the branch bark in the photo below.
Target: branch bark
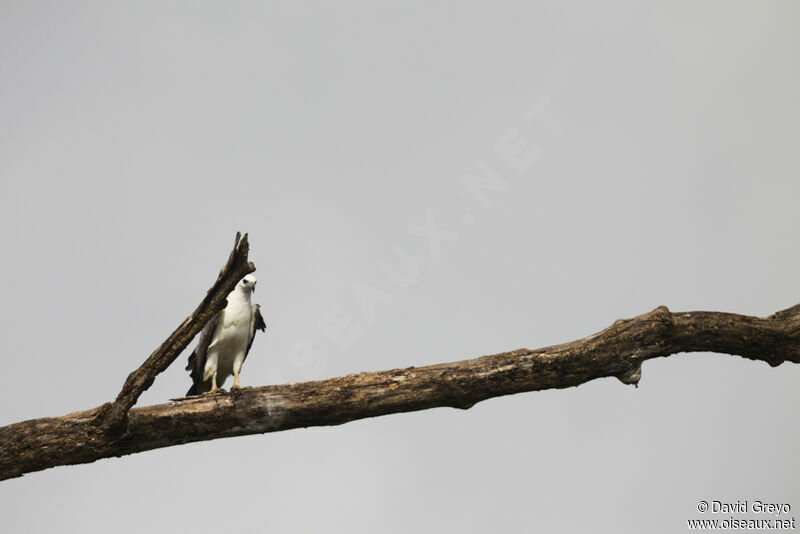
{"x": 618, "y": 351}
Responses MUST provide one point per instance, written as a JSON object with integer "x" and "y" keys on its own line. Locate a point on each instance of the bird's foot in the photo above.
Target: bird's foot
{"x": 214, "y": 391}
{"x": 236, "y": 387}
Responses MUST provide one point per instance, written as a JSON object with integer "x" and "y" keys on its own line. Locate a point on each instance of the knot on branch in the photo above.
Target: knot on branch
{"x": 789, "y": 314}
{"x": 661, "y": 317}
{"x": 632, "y": 375}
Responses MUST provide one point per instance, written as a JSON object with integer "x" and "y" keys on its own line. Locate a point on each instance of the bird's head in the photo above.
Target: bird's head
{"x": 247, "y": 284}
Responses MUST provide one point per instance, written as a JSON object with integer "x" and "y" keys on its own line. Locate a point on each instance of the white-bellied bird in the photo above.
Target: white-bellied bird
{"x": 225, "y": 341}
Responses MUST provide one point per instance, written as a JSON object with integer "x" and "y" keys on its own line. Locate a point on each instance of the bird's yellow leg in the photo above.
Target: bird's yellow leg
{"x": 236, "y": 380}
{"x": 214, "y": 387}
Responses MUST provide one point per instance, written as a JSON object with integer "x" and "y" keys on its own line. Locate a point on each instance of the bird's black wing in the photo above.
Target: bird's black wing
{"x": 197, "y": 360}
{"x": 256, "y": 323}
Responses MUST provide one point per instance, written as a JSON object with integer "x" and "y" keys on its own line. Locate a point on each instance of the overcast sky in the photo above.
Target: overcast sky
{"x": 638, "y": 155}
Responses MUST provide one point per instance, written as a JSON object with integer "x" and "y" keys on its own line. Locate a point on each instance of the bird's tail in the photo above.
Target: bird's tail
{"x": 192, "y": 368}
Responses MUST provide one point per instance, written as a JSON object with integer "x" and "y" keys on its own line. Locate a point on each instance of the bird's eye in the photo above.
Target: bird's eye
{"x": 244, "y": 282}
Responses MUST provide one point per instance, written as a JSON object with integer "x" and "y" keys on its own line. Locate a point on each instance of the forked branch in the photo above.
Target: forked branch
{"x": 112, "y": 415}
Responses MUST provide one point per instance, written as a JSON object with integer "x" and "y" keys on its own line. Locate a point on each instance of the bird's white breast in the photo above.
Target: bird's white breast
{"x": 233, "y": 332}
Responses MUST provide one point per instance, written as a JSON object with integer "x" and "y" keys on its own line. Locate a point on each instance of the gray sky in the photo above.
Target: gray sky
{"x": 640, "y": 155}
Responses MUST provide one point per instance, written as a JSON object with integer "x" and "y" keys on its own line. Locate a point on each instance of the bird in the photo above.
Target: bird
{"x": 225, "y": 341}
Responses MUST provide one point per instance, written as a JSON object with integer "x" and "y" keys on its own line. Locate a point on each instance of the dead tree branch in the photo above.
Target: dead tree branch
{"x": 115, "y": 429}
{"x": 618, "y": 351}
